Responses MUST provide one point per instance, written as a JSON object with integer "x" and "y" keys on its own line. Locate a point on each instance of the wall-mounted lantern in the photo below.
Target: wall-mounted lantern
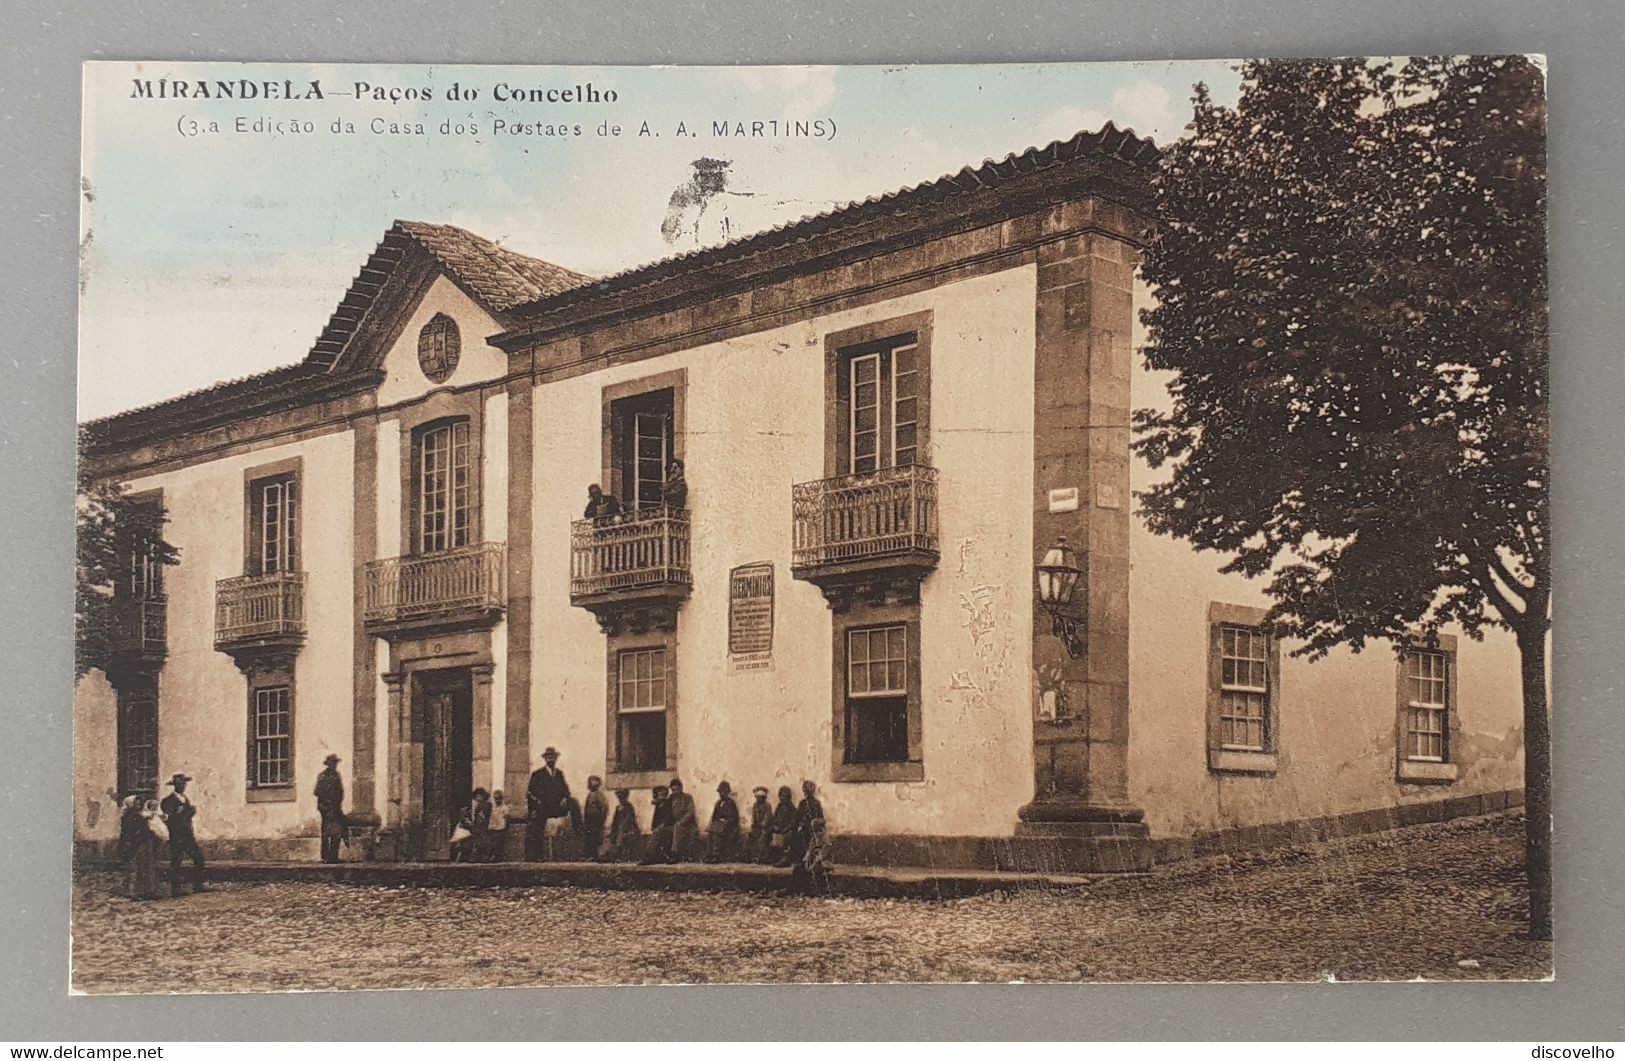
{"x": 1057, "y": 577}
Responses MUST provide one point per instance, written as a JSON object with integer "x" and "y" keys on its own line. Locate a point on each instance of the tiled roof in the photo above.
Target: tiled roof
{"x": 1109, "y": 142}
{"x": 514, "y": 285}
{"x": 495, "y": 276}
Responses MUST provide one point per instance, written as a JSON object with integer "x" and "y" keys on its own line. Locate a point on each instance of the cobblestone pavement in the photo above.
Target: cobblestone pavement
{"x": 1417, "y": 903}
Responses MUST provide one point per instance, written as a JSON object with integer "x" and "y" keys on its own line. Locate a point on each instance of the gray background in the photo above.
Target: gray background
{"x": 44, "y": 44}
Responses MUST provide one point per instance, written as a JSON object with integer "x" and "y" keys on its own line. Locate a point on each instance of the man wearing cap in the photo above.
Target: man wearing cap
{"x": 330, "y": 805}
{"x": 547, "y": 798}
{"x": 178, "y": 814}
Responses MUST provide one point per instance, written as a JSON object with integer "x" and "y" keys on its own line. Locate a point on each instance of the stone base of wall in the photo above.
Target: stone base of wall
{"x": 1316, "y": 830}
{"x": 1105, "y": 849}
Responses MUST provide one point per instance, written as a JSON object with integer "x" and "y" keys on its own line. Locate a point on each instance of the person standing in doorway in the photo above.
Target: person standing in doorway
{"x": 330, "y": 805}
{"x": 179, "y": 812}
{"x": 547, "y": 799}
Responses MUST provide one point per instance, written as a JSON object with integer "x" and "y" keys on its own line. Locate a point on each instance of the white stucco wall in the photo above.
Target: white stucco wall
{"x": 203, "y": 713}
{"x": 479, "y": 361}
{"x": 1337, "y": 716}
{"x": 755, "y": 426}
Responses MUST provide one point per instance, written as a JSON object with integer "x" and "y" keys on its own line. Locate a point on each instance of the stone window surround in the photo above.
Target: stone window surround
{"x": 268, "y": 674}
{"x": 675, "y": 380}
{"x": 290, "y": 468}
{"x": 615, "y": 644}
{"x": 1222, "y": 760}
{"x": 1422, "y": 772}
{"x": 864, "y": 614}
{"x": 840, "y": 344}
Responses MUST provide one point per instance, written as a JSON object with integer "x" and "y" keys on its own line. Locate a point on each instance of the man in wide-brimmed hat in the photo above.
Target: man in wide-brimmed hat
{"x": 179, "y": 810}
{"x": 547, "y": 798}
{"x": 330, "y": 805}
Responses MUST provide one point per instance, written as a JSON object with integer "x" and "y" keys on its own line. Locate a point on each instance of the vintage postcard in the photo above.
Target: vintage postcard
{"x": 553, "y": 526}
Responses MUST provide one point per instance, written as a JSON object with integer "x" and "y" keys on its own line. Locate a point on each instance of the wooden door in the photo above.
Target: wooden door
{"x": 446, "y": 699}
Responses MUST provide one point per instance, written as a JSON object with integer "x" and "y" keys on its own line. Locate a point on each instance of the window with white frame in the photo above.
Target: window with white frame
{"x": 1244, "y": 690}
{"x": 270, "y": 745}
{"x": 881, "y": 385}
{"x": 877, "y": 689}
{"x": 642, "y": 700}
{"x": 1427, "y": 727}
{"x": 443, "y": 488}
{"x": 274, "y": 525}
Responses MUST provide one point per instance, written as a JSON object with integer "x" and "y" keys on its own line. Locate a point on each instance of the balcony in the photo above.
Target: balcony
{"x": 259, "y": 613}
{"x": 632, "y": 570}
{"x": 141, "y": 633}
{"x": 876, "y": 530}
{"x": 452, "y": 588}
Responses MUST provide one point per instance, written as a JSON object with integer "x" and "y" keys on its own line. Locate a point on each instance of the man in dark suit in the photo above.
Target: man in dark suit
{"x": 548, "y": 797}
{"x": 179, "y": 811}
{"x": 330, "y": 805}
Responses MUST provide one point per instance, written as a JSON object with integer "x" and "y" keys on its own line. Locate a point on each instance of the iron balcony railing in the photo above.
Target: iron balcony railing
{"x": 644, "y": 548}
{"x": 143, "y": 625}
{"x": 862, "y": 517}
{"x": 451, "y": 580}
{"x": 251, "y": 607}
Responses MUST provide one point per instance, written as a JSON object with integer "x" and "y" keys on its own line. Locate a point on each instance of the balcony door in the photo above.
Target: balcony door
{"x": 880, "y": 392}
{"x": 443, "y": 715}
{"x": 442, "y": 489}
{"x": 643, "y": 447}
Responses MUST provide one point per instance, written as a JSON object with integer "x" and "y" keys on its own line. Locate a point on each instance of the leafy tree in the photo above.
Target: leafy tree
{"x": 1351, "y": 293}
{"x": 112, "y": 530}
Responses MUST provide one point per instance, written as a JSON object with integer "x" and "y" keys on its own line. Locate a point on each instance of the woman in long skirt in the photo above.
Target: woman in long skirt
{"x": 144, "y": 859}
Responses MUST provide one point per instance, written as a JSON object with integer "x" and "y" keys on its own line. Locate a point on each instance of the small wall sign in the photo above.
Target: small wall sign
{"x": 1063, "y": 499}
{"x": 750, "y": 617}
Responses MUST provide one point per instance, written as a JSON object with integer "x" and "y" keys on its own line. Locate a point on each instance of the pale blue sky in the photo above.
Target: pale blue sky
{"x": 217, "y": 256}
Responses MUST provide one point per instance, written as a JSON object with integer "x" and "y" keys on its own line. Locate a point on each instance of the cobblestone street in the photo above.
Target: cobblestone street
{"x": 1416, "y": 903}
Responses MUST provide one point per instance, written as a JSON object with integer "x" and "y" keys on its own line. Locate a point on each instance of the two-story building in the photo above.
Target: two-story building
{"x": 904, "y": 562}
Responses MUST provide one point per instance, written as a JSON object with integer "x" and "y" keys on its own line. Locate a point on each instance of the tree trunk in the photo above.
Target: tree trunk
{"x": 1537, "y": 783}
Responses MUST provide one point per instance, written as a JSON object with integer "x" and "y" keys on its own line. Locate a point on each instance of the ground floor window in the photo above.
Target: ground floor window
{"x": 877, "y": 697}
{"x": 1427, "y": 722}
{"x": 1244, "y": 689}
{"x": 138, "y": 736}
{"x": 643, "y": 689}
{"x": 270, "y": 747}
{"x": 877, "y": 694}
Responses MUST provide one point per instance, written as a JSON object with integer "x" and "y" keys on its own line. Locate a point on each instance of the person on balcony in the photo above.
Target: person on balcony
{"x": 330, "y": 805}
{"x": 722, "y": 834}
{"x": 179, "y": 811}
{"x": 675, "y": 491}
{"x": 625, "y": 836}
{"x": 547, "y": 800}
{"x": 601, "y": 507}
